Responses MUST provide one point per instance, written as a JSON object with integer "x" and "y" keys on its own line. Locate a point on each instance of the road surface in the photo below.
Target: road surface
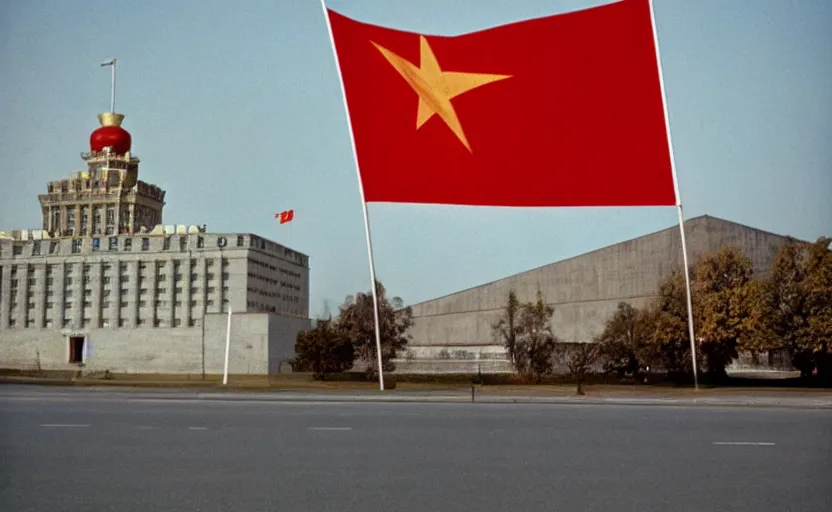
{"x": 96, "y": 450}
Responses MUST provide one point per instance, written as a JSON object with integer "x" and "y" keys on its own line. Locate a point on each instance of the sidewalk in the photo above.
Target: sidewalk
{"x": 595, "y": 395}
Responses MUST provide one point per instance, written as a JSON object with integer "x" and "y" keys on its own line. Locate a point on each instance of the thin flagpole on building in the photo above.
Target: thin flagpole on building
{"x": 678, "y": 202}
{"x": 363, "y": 202}
{"x": 112, "y": 64}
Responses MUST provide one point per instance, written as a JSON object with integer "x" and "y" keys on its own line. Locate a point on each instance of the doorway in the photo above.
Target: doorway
{"x": 76, "y": 349}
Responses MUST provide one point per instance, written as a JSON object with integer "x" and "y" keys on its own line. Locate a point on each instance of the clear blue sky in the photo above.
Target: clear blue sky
{"x": 235, "y": 110}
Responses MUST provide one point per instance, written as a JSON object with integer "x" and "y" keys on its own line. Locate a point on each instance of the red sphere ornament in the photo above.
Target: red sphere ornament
{"x": 114, "y": 136}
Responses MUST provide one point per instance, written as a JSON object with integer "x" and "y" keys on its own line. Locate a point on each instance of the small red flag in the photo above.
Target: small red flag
{"x": 559, "y": 111}
{"x": 285, "y": 216}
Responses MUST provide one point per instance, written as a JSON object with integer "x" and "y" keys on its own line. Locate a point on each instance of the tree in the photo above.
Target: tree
{"x": 507, "y": 329}
{"x": 583, "y": 356}
{"x": 817, "y": 333}
{"x": 537, "y": 341}
{"x": 668, "y": 342}
{"x": 759, "y": 328}
{"x": 356, "y": 320}
{"x": 623, "y": 338}
{"x": 721, "y": 287}
{"x": 324, "y": 350}
{"x": 789, "y": 320}
{"x": 527, "y": 335}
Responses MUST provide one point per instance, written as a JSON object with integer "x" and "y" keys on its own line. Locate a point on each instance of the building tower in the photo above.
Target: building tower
{"x": 107, "y": 198}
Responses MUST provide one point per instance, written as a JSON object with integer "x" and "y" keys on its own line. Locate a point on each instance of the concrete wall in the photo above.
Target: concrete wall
{"x": 585, "y": 290}
{"x": 283, "y": 333}
{"x": 259, "y": 342}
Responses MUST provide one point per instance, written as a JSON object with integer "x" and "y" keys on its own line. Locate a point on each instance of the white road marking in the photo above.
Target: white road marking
{"x": 742, "y": 443}
{"x": 329, "y": 428}
{"x": 64, "y": 425}
{"x": 197, "y": 428}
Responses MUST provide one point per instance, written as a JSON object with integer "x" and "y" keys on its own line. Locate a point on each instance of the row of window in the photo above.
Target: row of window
{"x": 48, "y": 321}
{"x": 105, "y": 323}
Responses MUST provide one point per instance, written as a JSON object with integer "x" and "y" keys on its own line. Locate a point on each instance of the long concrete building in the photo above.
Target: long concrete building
{"x": 454, "y": 334}
{"x": 104, "y": 285}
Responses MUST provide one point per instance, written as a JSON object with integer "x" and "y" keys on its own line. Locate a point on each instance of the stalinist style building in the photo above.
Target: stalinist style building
{"x": 105, "y": 284}
{"x": 107, "y": 198}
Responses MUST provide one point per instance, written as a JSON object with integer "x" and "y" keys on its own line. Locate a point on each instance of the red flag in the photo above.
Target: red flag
{"x": 285, "y": 216}
{"x": 559, "y": 111}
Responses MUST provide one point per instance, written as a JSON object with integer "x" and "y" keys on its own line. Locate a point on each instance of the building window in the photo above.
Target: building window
{"x": 67, "y": 281}
{"x": 76, "y": 245}
{"x": 96, "y": 244}
{"x": 17, "y": 250}
{"x": 200, "y": 242}
{"x": 240, "y": 241}
{"x": 36, "y": 249}
{"x": 128, "y": 244}
{"x": 177, "y": 322}
{"x": 145, "y": 243}
{"x": 166, "y": 244}
{"x": 113, "y": 243}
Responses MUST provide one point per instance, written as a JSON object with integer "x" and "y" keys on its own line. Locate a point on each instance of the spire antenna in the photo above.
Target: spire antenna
{"x": 112, "y": 64}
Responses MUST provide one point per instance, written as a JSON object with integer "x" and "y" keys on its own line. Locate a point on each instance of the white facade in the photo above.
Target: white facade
{"x": 146, "y": 280}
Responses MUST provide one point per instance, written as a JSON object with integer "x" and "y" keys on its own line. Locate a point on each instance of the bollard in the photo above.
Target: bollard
{"x": 472, "y": 393}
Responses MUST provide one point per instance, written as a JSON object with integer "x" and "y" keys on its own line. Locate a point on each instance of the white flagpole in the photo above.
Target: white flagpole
{"x": 227, "y": 348}
{"x": 678, "y": 201}
{"x": 113, "y": 88}
{"x": 112, "y": 64}
{"x": 363, "y": 202}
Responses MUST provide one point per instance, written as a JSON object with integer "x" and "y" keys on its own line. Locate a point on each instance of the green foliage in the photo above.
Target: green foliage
{"x": 323, "y": 350}
{"x": 356, "y": 320}
{"x": 624, "y": 337}
{"x": 800, "y": 286}
{"x": 527, "y": 335}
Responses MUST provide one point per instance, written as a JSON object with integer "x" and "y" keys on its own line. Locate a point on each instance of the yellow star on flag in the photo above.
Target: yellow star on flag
{"x": 436, "y": 88}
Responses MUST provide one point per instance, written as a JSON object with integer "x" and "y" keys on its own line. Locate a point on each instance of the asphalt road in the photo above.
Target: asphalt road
{"x": 93, "y": 450}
